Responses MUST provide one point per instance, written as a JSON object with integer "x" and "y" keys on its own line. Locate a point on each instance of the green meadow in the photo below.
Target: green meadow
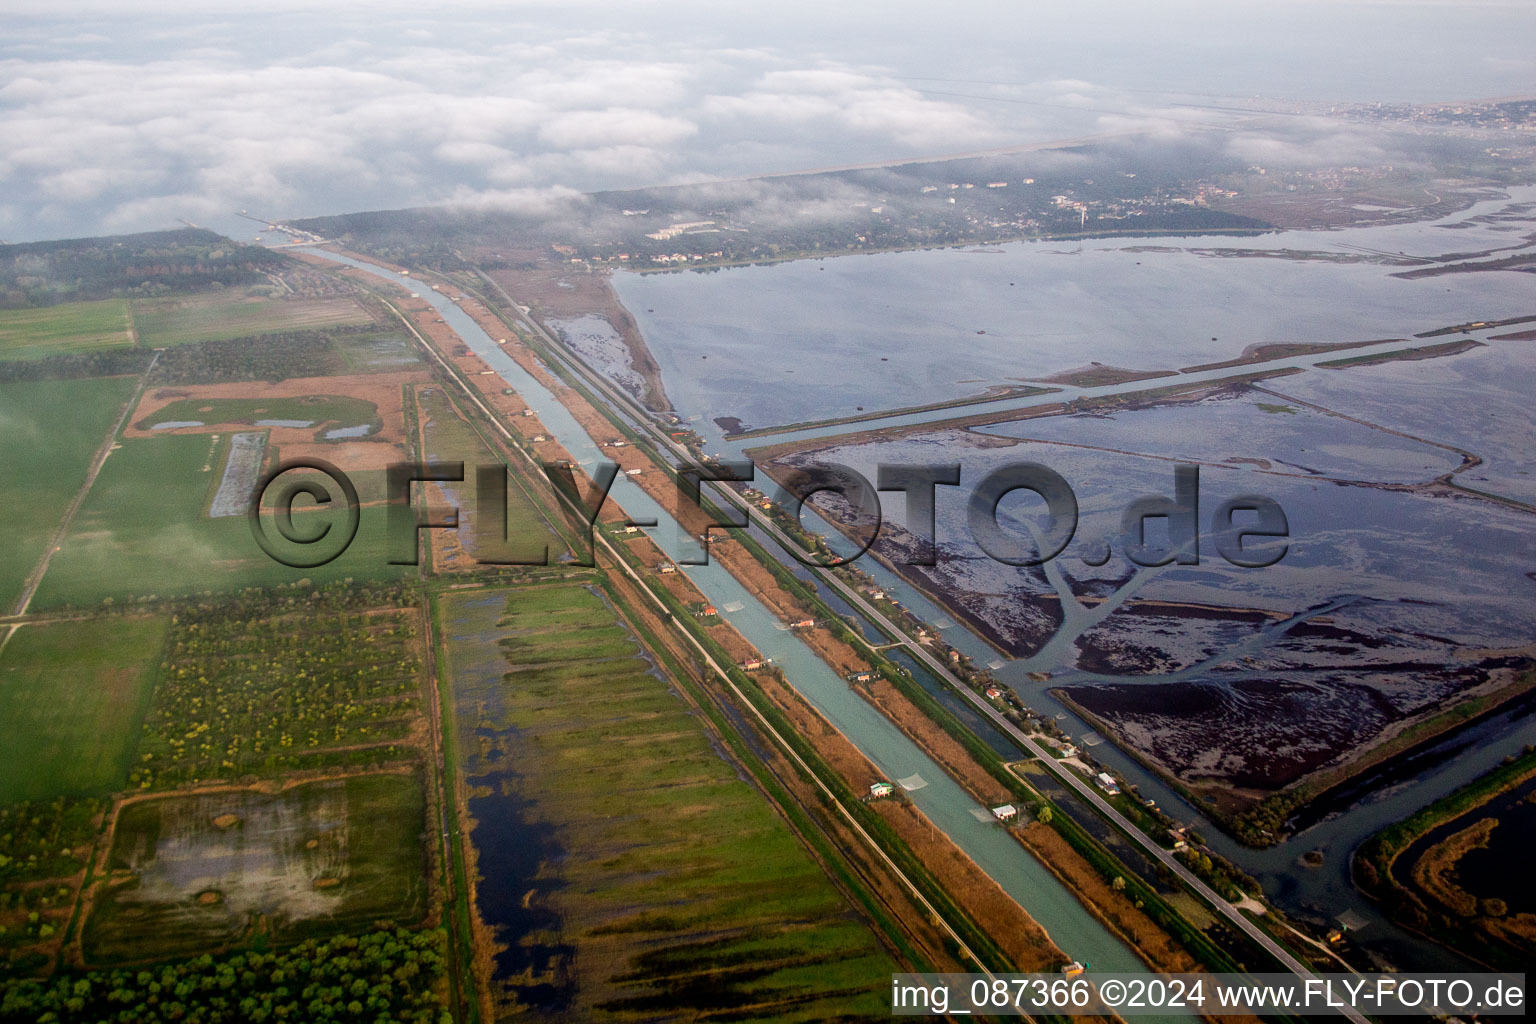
{"x": 143, "y": 531}
{"x": 49, "y": 431}
{"x": 72, "y": 697}
{"x": 219, "y": 315}
{"x": 317, "y": 410}
{"x": 670, "y": 884}
{"x": 72, "y": 327}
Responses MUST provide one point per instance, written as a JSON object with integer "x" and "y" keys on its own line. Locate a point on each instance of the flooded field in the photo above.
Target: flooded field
{"x": 813, "y": 339}
{"x": 197, "y": 873}
{"x": 600, "y": 344}
{"x": 689, "y": 894}
{"x": 1478, "y": 400}
{"x": 241, "y": 468}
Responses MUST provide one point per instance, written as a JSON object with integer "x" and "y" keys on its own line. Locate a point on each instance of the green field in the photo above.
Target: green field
{"x": 204, "y": 872}
{"x": 72, "y": 696}
{"x": 143, "y": 530}
{"x": 49, "y": 431}
{"x": 657, "y": 880}
{"x": 448, "y": 436}
{"x": 320, "y": 411}
{"x": 72, "y": 327}
{"x": 212, "y": 317}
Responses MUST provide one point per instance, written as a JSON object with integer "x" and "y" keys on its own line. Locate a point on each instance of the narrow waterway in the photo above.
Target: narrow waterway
{"x": 941, "y": 799}
{"x": 1343, "y": 821}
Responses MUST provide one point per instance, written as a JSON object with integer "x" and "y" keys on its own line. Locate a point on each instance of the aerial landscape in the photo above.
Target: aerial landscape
{"x": 707, "y": 517}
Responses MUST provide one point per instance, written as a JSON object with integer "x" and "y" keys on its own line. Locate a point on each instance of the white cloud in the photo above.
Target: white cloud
{"x": 195, "y": 107}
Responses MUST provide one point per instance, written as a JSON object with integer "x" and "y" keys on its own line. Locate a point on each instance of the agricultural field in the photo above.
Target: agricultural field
{"x": 233, "y": 314}
{"x": 247, "y": 689}
{"x": 689, "y": 894}
{"x": 192, "y": 874}
{"x": 446, "y": 436}
{"x": 373, "y": 352}
{"x": 72, "y": 697}
{"x": 73, "y": 327}
{"x": 324, "y": 413}
{"x": 44, "y": 457}
{"x": 144, "y": 530}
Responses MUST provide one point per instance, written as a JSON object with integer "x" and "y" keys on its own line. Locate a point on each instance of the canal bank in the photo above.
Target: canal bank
{"x": 942, "y": 800}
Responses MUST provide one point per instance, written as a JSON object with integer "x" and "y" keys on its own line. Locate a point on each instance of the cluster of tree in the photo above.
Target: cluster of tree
{"x": 41, "y": 839}
{"x": 302, "y": 596}
{"x": 248, "y": 690}
{"x": 1263, "y": 824}
{"x": 154, "y": 263}
{"x": 72, "y": 365}
{"x": 1396, "y": 890}
{"x": 273, "y": 357}
{"x": 34, "y": 927}
{"x": 381, "y": 976}
{"x": 34, "y": 897}
{"x": 1152, "y": 187}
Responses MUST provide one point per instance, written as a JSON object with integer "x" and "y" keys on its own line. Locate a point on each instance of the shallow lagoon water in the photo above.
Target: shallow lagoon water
{"x": 1479, "y": 400}
{"x": 942, "y": 800}
{"x": 812, "y": 339}
{"x": 1428, "y": 567}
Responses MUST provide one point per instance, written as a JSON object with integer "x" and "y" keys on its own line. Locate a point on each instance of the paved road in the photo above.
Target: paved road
{"x": 623, "y": 562}
{"x": 1070, "y": 778}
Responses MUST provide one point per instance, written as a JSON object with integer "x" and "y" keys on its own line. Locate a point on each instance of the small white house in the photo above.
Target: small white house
{"x": 1107, "y": 784}
{"x": 1007, "y": 812}
{"x": 881, "y": 790}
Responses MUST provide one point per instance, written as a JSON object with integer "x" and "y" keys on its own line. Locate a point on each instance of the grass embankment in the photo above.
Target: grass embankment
{"x": 1449, "y": 348}
{"x": 319, "y": 411}
{"x": 994, "y": 395}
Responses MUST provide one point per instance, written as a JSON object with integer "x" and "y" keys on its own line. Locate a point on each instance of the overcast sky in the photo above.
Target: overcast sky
{"x": 110, "y": 123}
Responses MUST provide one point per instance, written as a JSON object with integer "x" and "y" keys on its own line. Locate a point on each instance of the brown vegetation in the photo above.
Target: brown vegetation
{"x": 1111, "y": 906}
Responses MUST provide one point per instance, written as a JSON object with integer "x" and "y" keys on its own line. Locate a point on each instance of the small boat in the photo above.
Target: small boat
{"x": 1073, "y": 969}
